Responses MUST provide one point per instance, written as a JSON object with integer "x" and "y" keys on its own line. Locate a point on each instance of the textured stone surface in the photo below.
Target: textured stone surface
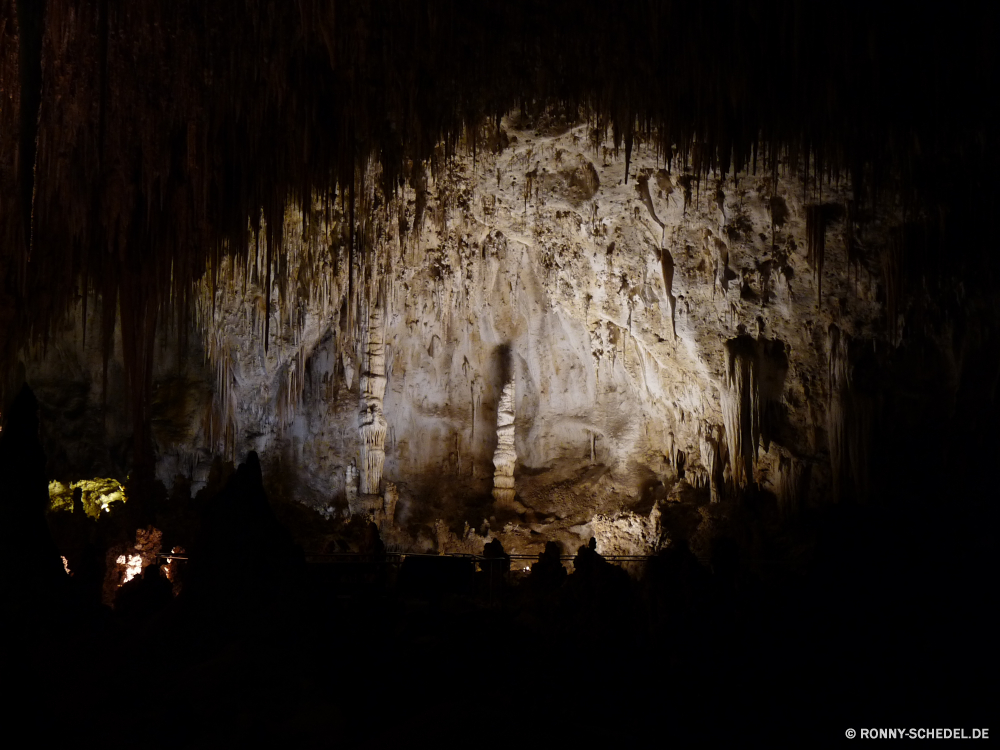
{"x": 650, "y": 329}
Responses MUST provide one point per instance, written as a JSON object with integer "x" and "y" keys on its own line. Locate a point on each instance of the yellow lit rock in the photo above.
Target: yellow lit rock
{"x": 97, "y": 495}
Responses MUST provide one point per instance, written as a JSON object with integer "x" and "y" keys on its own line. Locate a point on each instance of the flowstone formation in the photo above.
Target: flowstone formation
{"x": 505, "y": 456}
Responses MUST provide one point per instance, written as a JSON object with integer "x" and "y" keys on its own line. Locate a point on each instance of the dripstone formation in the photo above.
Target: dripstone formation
{"x": 505, "y": 456}
{"x": 299, "y": 285}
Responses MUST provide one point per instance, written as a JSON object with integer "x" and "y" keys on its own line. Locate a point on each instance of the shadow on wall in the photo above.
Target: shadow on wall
{"x": 502, "y": 366}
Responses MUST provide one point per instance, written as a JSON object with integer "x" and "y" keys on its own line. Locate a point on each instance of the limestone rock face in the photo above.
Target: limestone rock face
{"x": 627, "y": 533}
{"x": 651, "y": 328}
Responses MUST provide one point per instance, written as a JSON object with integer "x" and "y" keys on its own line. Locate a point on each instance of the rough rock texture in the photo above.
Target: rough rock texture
{"x": 647, "y": 330}
{"x": 626, "y": 533}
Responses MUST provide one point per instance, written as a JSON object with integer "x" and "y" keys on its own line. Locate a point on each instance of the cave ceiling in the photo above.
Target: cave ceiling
{"x": 688, "y": 228}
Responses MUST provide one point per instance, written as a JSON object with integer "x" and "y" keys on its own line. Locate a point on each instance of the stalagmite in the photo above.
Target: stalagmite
{"x": 373, "y": 424}
{"x": 351, "y": 487}
{"x": 385, "y": 515}
{"x": 504, "y": 456}
{"x": 348, "y": 361}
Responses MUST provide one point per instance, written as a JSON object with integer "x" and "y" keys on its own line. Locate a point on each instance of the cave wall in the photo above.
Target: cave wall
{"x": 615, "y": 301}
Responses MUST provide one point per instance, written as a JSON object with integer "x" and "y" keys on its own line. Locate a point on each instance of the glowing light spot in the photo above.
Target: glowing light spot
{"x": 133, "y": 565}
{"x": 66, "y": 565}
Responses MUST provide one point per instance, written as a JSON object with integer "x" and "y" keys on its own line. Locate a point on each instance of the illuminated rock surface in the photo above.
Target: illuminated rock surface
{"x": 641, "y": 320}
{"x": 653, "y": 328}
{"x": 505, "y": 456}
{"x": 710, "y": 283}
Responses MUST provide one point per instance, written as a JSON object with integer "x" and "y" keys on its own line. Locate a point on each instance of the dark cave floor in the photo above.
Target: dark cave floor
{"x": 875, "y": 634}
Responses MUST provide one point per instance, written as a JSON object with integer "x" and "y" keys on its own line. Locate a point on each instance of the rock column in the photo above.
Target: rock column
{"x": 373, "y": 424}
{"x": 504, "y": 457}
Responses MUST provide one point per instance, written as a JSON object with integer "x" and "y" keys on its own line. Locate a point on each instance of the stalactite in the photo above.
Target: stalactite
{"x": 791, "y": 485}
{"x": 851, "y": 241}
{"x": 816, "y": 245}
{"x": 711, "y": 456}
{"x": 505, "y": 457}
{"x": 850, "y": 420}
{"x": 152, "y": 138}
{"x": 666, "y": 258}
{"x": 892, "y": 279}
{"x": 741, "y": 408}
{"x": 31, "y": 26}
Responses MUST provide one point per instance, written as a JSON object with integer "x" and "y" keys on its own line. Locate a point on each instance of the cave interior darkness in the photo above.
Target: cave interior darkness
{"x": 519, "y": 371}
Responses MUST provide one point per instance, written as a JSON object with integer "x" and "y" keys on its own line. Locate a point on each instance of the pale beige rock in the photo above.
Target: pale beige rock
{"x": 627, "y": 533}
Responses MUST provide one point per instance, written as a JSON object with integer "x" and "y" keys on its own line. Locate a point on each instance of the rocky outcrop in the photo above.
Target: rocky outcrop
{"x": 627, "y": 533}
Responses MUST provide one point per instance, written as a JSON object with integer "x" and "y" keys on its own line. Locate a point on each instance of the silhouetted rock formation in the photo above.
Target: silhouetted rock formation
{"x": 32, "y": 577}
{"x": 548, "y": 573}
{"x": 243, "y": 547}
{"x": 493, "y": 550}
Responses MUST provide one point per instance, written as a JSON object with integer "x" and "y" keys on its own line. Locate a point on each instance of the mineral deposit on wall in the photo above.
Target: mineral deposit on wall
{"x": 650, "y": 327}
